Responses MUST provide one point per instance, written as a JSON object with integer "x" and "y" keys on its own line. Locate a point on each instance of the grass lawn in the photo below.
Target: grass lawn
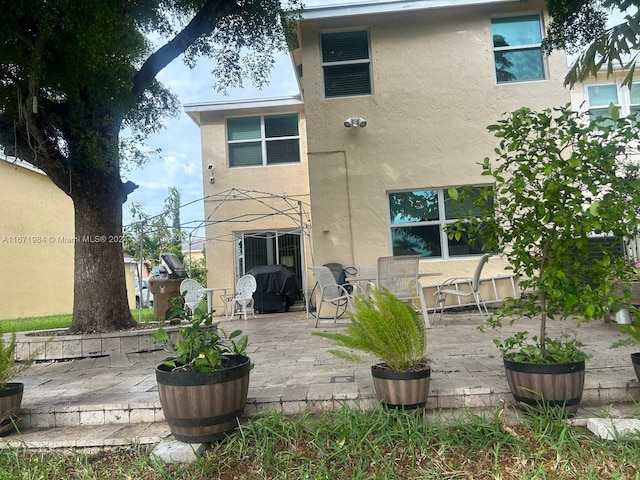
{"x": 351, "y": 444}
{"x": 56, "y": 321}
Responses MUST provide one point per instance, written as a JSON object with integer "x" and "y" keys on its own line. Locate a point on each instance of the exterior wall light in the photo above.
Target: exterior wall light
{"x": 355, "y": 122}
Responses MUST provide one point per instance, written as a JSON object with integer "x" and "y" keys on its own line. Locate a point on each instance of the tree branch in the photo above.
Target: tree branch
{"x": 203, "y": 23}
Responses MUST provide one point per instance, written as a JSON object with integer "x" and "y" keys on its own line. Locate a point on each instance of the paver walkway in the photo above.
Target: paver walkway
{"x": 114, "y": 400}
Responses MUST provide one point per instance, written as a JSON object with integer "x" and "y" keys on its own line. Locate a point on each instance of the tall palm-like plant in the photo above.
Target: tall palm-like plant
{"x": 386, "y": 328}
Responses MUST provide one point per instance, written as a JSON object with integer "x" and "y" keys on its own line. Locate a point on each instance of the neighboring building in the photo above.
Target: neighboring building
{"x": 193, "y": 248}
{"x": 37, "y": 237}
{"x": 36, "y": 243}
{"x": 397, "y": 97}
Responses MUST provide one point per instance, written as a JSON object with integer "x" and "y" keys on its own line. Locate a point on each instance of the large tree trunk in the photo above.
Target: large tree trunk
{"x": 100, "y": 301}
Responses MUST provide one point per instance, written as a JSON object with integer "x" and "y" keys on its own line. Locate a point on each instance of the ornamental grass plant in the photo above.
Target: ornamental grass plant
{"x": 386, "y": 328}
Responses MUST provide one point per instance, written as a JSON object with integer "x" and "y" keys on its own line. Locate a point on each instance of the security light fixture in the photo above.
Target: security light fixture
{"x": 355, "y": 122}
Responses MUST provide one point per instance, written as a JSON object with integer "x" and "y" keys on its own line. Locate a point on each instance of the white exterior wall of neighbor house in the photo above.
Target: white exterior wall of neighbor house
{"x": 288, "y": 179}
{"x": 434, "y": 94}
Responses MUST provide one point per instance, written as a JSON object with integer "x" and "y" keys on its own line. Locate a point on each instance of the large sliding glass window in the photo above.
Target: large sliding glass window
{"x": 417, "y": 221}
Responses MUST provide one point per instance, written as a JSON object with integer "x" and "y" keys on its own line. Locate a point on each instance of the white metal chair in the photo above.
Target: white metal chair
{"x": 330, "y": 292}
{"x": 463, "y": 287}
{"x": 399, "y": 275}
{"x": 193, "y": 293}
{"x": 243, "y": 297}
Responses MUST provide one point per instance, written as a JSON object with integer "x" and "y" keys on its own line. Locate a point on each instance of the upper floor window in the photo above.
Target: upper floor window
{"x": 517, "y": 50}
{"x": 263, "y": 140}
{"x": 601, "y": 96}
{"x": 346, "y": 64}
{"x": 418, "y": 219}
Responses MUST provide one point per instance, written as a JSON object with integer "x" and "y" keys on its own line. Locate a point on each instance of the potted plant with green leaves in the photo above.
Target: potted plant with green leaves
{"x": 632, "y": 330}
{"x": 559, "y": 179}
{"x": 11, "y": 392}
{"x": 392, "y": 332}
{"x": 203, "y": 385}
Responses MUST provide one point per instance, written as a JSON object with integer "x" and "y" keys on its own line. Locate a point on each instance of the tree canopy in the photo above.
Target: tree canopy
{"x": 74, "y": 74}
{"x": 581, "y": 26}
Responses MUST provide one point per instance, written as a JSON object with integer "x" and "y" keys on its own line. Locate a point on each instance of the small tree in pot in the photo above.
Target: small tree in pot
{"x": 392, "y": 332}
{"x": 559, "y": 179}
{"x": 203, "y": 385}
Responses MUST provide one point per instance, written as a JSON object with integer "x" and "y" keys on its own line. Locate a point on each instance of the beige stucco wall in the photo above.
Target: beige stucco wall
{"x": 434, "y": 93}
{"x": 36, "y": 247}
{"x": 230, "y": 216}
{"x": 130, "y": 266}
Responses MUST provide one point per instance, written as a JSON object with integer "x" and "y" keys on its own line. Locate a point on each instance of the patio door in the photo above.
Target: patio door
{"x": 269, "y": 248}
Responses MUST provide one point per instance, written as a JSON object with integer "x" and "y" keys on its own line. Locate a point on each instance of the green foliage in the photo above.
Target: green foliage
{"x": 150, "y": 236}
{"x": 558, "y": 179}
{"x": 385, "y": 327}
{"x": 357, "y": 444}
{"x": 556, "y": 350}
{"x": 57, "y": 321}
{"x": 9, "y": 368}
{"x": 75, "y": 76}
{"x": 632, "y": 330}
{"x": 579, "y": 26}
{"x": 197, "y": 269}
{"x": 202, "y": 346}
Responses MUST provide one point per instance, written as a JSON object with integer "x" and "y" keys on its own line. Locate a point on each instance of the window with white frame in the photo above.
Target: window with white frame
{"x": 517, "y": 48}
{"x": 346, "y": 64}
{"x": 418, "y": 219}
{"x": 263, "y": 140}
{"x": 601, "y": 96}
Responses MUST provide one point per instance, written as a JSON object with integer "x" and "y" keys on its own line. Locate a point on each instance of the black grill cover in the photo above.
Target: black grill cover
{"x": 274, "y": 282}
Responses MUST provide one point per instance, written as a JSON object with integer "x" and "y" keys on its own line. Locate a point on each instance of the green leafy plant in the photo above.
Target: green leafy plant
{"x": 519, "y": 348}
{"x": 201, "y": 346}
{"x": 9, "y": 368}
{"x": 558, "y": 179}
{"x": 386, "y": 328}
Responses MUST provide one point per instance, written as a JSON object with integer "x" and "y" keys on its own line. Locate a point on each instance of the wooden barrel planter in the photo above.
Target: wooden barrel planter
{"x": 635, "y": 359}
{"x": 200, "y": 406}
{"x": 10, "y": 401}
{"x": 546, "y": 385}
{"x": 401, "y": 390}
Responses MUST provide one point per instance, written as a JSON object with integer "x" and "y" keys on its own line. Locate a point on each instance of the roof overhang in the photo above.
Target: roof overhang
{"x": 195, "y": 109}
{"x": 386, "y": 6}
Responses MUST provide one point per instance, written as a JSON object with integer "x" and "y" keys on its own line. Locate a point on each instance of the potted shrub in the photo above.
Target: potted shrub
{"x": 203, "y": 385}
{"x": 558, "y": 180}
{"x": 633, "y": 331}
{"x": 392, "y": 332}
{"x": 10, "y": 392}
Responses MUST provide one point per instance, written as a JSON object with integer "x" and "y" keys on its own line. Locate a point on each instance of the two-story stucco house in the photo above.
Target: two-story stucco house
{"x": 395, "y": 100}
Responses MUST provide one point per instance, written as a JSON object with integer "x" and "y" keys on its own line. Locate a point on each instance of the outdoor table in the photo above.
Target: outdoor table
{"x": 223, "y": 297}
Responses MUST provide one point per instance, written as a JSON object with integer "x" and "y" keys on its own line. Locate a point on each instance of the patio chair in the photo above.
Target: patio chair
{"x": 399, "y": 275}
{"x": 463, "y": 287}
{"x": 242, "y": 299}
{"x": 193, "y": 293}
{"x": 330, "y": 292}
